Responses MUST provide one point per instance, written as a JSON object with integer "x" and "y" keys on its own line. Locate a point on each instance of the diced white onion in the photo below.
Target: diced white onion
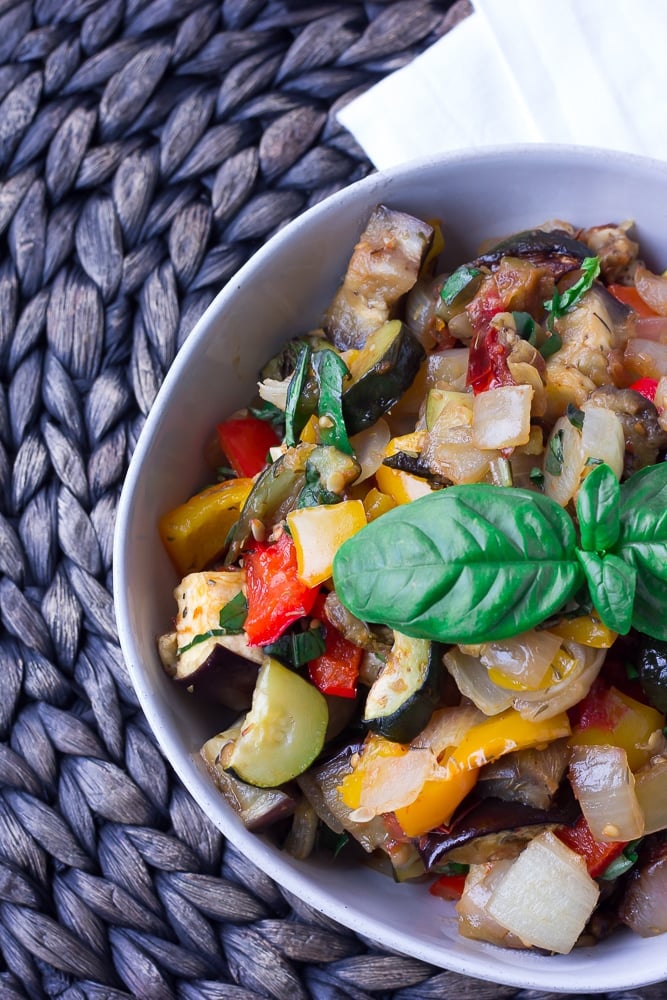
{"x": 524, "y": 658}
{"x": 474, "y": 919}
{"x": 646, "y": 358}
{"x": 452, "y": 454}
{"x": 652, "y": 289}
{"x": 651, "y": 792}
{"x": 392, "y": 782}
{"x": 546, "y": 879}
{"x": 650, "y": 328}
{"x": 447, "y": 368}
{"x": 473, "y": 681}
{"x": 501, "y": 416}
{"x": 600, "y": 439}
{"x": 370, "y": 447}
{"x": 447, "y": 727}
{"x": 605, "y": 787}
{"x": 273, "y": 390}
{"x": 567, "y": 692}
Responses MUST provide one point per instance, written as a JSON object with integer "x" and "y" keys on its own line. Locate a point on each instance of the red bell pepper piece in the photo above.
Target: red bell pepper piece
{"x": 597, "y": 855}
{"x": 487, "y": 364}
{"x": 245, "y": 441}
{"x": 336, "y": 670}
{"x": 448, "y": 886}
{"x": 275, "y": 595}
{"x": 629, "y": 296}
{"x": 646, "y": 386}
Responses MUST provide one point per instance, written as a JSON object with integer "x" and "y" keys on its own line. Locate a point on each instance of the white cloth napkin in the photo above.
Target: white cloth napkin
{"x": 586, "y": 72}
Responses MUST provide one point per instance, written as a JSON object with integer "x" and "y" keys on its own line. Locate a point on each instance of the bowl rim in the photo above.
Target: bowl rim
{"x": 486, "y": 964}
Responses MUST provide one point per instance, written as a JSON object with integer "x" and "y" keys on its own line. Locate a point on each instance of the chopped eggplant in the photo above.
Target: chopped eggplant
{"x": 494, "y": 829}
{"x": 644, "y": 437}
{"x": 617, "y": 252}
{"x": 274, "y": 493}
{"x": 556, "y": 250}
{"x": 651, "y": 665}
{"x": 404, "y": 696}
{"x": 218, "y": 666}
{"x": 531, "y": 777}
{"x": 283, "y": 732}
{"x": 384, "y": 266}
{"x": 259, "y": 808}
{"x": 590, "y": 332}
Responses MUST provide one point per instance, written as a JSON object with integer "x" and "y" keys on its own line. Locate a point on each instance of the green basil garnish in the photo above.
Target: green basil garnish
{"x": 477, "y": 563}
{"x": 559, "y": 304}
{"x": 553, "y": 462}
{"x": 296, "y": 648}
{"x": 230, "y": 620}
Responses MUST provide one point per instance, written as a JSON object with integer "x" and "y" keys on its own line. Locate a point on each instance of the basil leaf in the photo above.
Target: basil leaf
{"x": 598, "y": 510}
{"x": 465, "y": 564}
{"x": 525, "y": 326}
{"x": 297, "y": 648}
{"x": 575, "y": 416}
{"x": 457, "y": 282}
{"x": 552, "y": 344}
{"x": 562, "y": 301}
{"x": 331, "y": 370}
{"x": 295, "y": 418}
{"x": 553, "y": 462}
{"x": 233, "y": 615}
{"x": 642, "y": 544}
{"x": 612, "y": 585}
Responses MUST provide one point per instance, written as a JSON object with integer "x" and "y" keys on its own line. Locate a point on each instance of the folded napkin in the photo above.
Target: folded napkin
{"x": 587, "y": 72}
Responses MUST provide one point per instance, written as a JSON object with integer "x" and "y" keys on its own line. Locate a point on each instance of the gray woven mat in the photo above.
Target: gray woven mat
{"x": 147, "y": 147}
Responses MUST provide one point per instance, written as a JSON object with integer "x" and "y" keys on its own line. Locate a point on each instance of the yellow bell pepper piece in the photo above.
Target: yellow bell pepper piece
{"x": 351, "y": 787}
{"x": 194, "y": 533}
{"x": 318, "y": 533}
{"x": 587, "y": 630}
{"x": 500, "y": 734}
{"x": 436, "y": 801}
{"x": 310, "y": 434}
{"x": 376, "y": 503}
{"x": 631, "y": 724}
{"x": 402, "y": 486}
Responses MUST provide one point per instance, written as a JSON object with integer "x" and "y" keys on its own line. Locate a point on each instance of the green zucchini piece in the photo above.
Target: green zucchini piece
{"x": 404, "y": 696}
{"x": 383, "y": 370}
{"x": 283, "y": 732}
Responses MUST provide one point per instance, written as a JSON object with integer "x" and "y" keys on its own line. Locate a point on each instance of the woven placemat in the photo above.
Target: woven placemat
{"x": 147, "y": 147}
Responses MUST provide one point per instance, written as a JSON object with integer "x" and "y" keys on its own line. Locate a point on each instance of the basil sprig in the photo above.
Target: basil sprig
{"x": 478, "y": 563}
{"x": 561, "y": 302}
{"x": 230, "y": 621}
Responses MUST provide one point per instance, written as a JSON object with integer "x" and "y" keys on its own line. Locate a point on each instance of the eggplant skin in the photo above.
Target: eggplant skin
{"x": 556, "y": 250}
{"x": 483, "y": 827}
{"x": 383, "y": 268}
{"x": 223, "y": 677}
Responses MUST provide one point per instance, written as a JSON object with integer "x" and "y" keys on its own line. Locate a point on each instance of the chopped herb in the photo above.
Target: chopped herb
{"x": 562, "y": 301}
{"x": 593, "y": 461}
{"x": 231, "y": 620}
{"x": 525, "y": 327}
{"x": 631, "y": 671}
{"x": 270, "y": 413}
{"x": 453, "y": 868}
{"x": 552, "y": 344}
{"x": 554, "y": 460}
{"x": 457, "y": 282}
{"x": 233, "y": 614}
{"x": 223, "y": 473}
{"x": 575, "y": 416}
{"x": 331, "y": 371}
{"x": 621, "y": 864}
{"x": 296, "y": 648}
{"x": 537, "y": 476}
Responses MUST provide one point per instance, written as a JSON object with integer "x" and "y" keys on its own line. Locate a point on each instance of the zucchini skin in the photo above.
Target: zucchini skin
{"x": 385, "y": 381}
{"x": 412, "y": 713}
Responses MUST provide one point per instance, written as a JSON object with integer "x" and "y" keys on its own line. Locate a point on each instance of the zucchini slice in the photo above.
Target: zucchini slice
{"x": 381, "y": 371}
{"x": 404, "y": 696}
{"x": 283, "y": 732}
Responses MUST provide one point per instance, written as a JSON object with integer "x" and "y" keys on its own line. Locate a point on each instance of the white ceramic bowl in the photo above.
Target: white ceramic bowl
{"x": 280, "y": 293}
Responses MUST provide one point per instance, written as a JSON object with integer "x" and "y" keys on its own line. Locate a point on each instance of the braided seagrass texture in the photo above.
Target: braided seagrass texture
{"x": 147, "y": 147}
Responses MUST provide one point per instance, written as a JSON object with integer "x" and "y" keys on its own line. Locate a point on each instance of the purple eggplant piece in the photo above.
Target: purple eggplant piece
{"x": 489, "y": 818}
{"x": 223, "y": 677}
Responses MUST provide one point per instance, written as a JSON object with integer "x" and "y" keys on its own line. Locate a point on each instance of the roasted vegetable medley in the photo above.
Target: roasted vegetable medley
{"x": 427, "y": 581}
